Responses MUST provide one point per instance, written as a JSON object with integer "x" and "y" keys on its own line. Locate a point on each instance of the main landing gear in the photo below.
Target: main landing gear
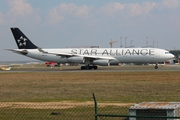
{"x": 156, "y": 66}
{"x": 88, "y": 67}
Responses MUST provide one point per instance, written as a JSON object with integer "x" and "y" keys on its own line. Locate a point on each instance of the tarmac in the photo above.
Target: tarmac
{"x": 124, "y": 68}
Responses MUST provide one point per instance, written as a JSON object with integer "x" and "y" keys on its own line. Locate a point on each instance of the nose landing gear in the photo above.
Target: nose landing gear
{"x": 156, "y": 66}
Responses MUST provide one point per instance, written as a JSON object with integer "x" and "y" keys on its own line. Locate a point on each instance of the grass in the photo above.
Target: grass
{"x": 46, "y": 114}
{"x": 78, "y": 86}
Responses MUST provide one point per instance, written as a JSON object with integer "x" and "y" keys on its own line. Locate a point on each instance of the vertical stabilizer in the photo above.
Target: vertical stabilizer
{"x": 21, "y": 40}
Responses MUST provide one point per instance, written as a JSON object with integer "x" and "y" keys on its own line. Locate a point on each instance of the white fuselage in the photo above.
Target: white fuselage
{"x": 91, "y": 57}
{"x": 119, "y": 55}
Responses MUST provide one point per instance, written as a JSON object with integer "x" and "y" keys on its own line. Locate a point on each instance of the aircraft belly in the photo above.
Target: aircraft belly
{"x": 33, "y": 55}
{"x": 135, "y": 59}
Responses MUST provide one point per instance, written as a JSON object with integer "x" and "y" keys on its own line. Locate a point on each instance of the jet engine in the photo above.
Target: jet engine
{"x": 76, "y": 60}
{"x": 101, "y": 62}
{"x": 114, "y": 62}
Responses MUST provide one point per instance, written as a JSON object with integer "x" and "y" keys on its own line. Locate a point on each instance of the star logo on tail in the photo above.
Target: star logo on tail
{"x": 22, "y": 41}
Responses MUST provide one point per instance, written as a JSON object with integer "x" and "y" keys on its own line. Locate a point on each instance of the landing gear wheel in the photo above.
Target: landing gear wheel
{"x": 156, "y": 67}
{"x": 95, "y": 67}
{"x": 83, "y": 67}
{"x": 86, "y": 67}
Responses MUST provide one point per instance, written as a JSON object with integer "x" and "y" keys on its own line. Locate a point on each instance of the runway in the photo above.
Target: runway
{"x": 126, "y": 68}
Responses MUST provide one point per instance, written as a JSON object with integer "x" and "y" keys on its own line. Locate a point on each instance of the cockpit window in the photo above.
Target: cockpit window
{"x": 167, "y": 52}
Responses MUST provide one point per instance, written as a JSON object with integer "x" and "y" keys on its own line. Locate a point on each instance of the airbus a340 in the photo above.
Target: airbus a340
{"x": 90, "y": 57}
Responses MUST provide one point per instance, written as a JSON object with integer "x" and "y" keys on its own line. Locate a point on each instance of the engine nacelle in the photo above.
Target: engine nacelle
{"x": 114, "y": 62}
{"x": 76, "y": 60}
{"x": 101, "y": 62}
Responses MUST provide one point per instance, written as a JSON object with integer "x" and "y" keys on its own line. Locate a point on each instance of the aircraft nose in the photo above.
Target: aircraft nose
{"x": 171, "y": 56}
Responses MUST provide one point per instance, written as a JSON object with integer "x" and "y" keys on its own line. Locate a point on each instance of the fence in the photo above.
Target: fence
{"x": 75, "y": 111}
{"x": 149, "y": 113}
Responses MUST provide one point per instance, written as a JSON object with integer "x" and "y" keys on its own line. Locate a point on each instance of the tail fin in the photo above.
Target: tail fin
{"x": 21, "y": 40}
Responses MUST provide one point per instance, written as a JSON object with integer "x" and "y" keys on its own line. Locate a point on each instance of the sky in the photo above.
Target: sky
{"x": 78, "y": 23}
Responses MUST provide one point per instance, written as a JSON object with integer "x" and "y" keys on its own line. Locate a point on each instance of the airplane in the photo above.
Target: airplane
{"x": 90, "y": 57}
{"x": 9, "y": 68}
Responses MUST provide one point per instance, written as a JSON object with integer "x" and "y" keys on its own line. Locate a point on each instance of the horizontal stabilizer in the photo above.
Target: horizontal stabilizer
{"x": 19, "y": 51}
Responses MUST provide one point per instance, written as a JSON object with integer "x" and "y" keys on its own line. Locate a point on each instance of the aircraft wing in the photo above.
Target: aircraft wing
{"x": 61, "y": 54}
{"x": 85, "y": 56}
{"x": 96, "y": 57}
